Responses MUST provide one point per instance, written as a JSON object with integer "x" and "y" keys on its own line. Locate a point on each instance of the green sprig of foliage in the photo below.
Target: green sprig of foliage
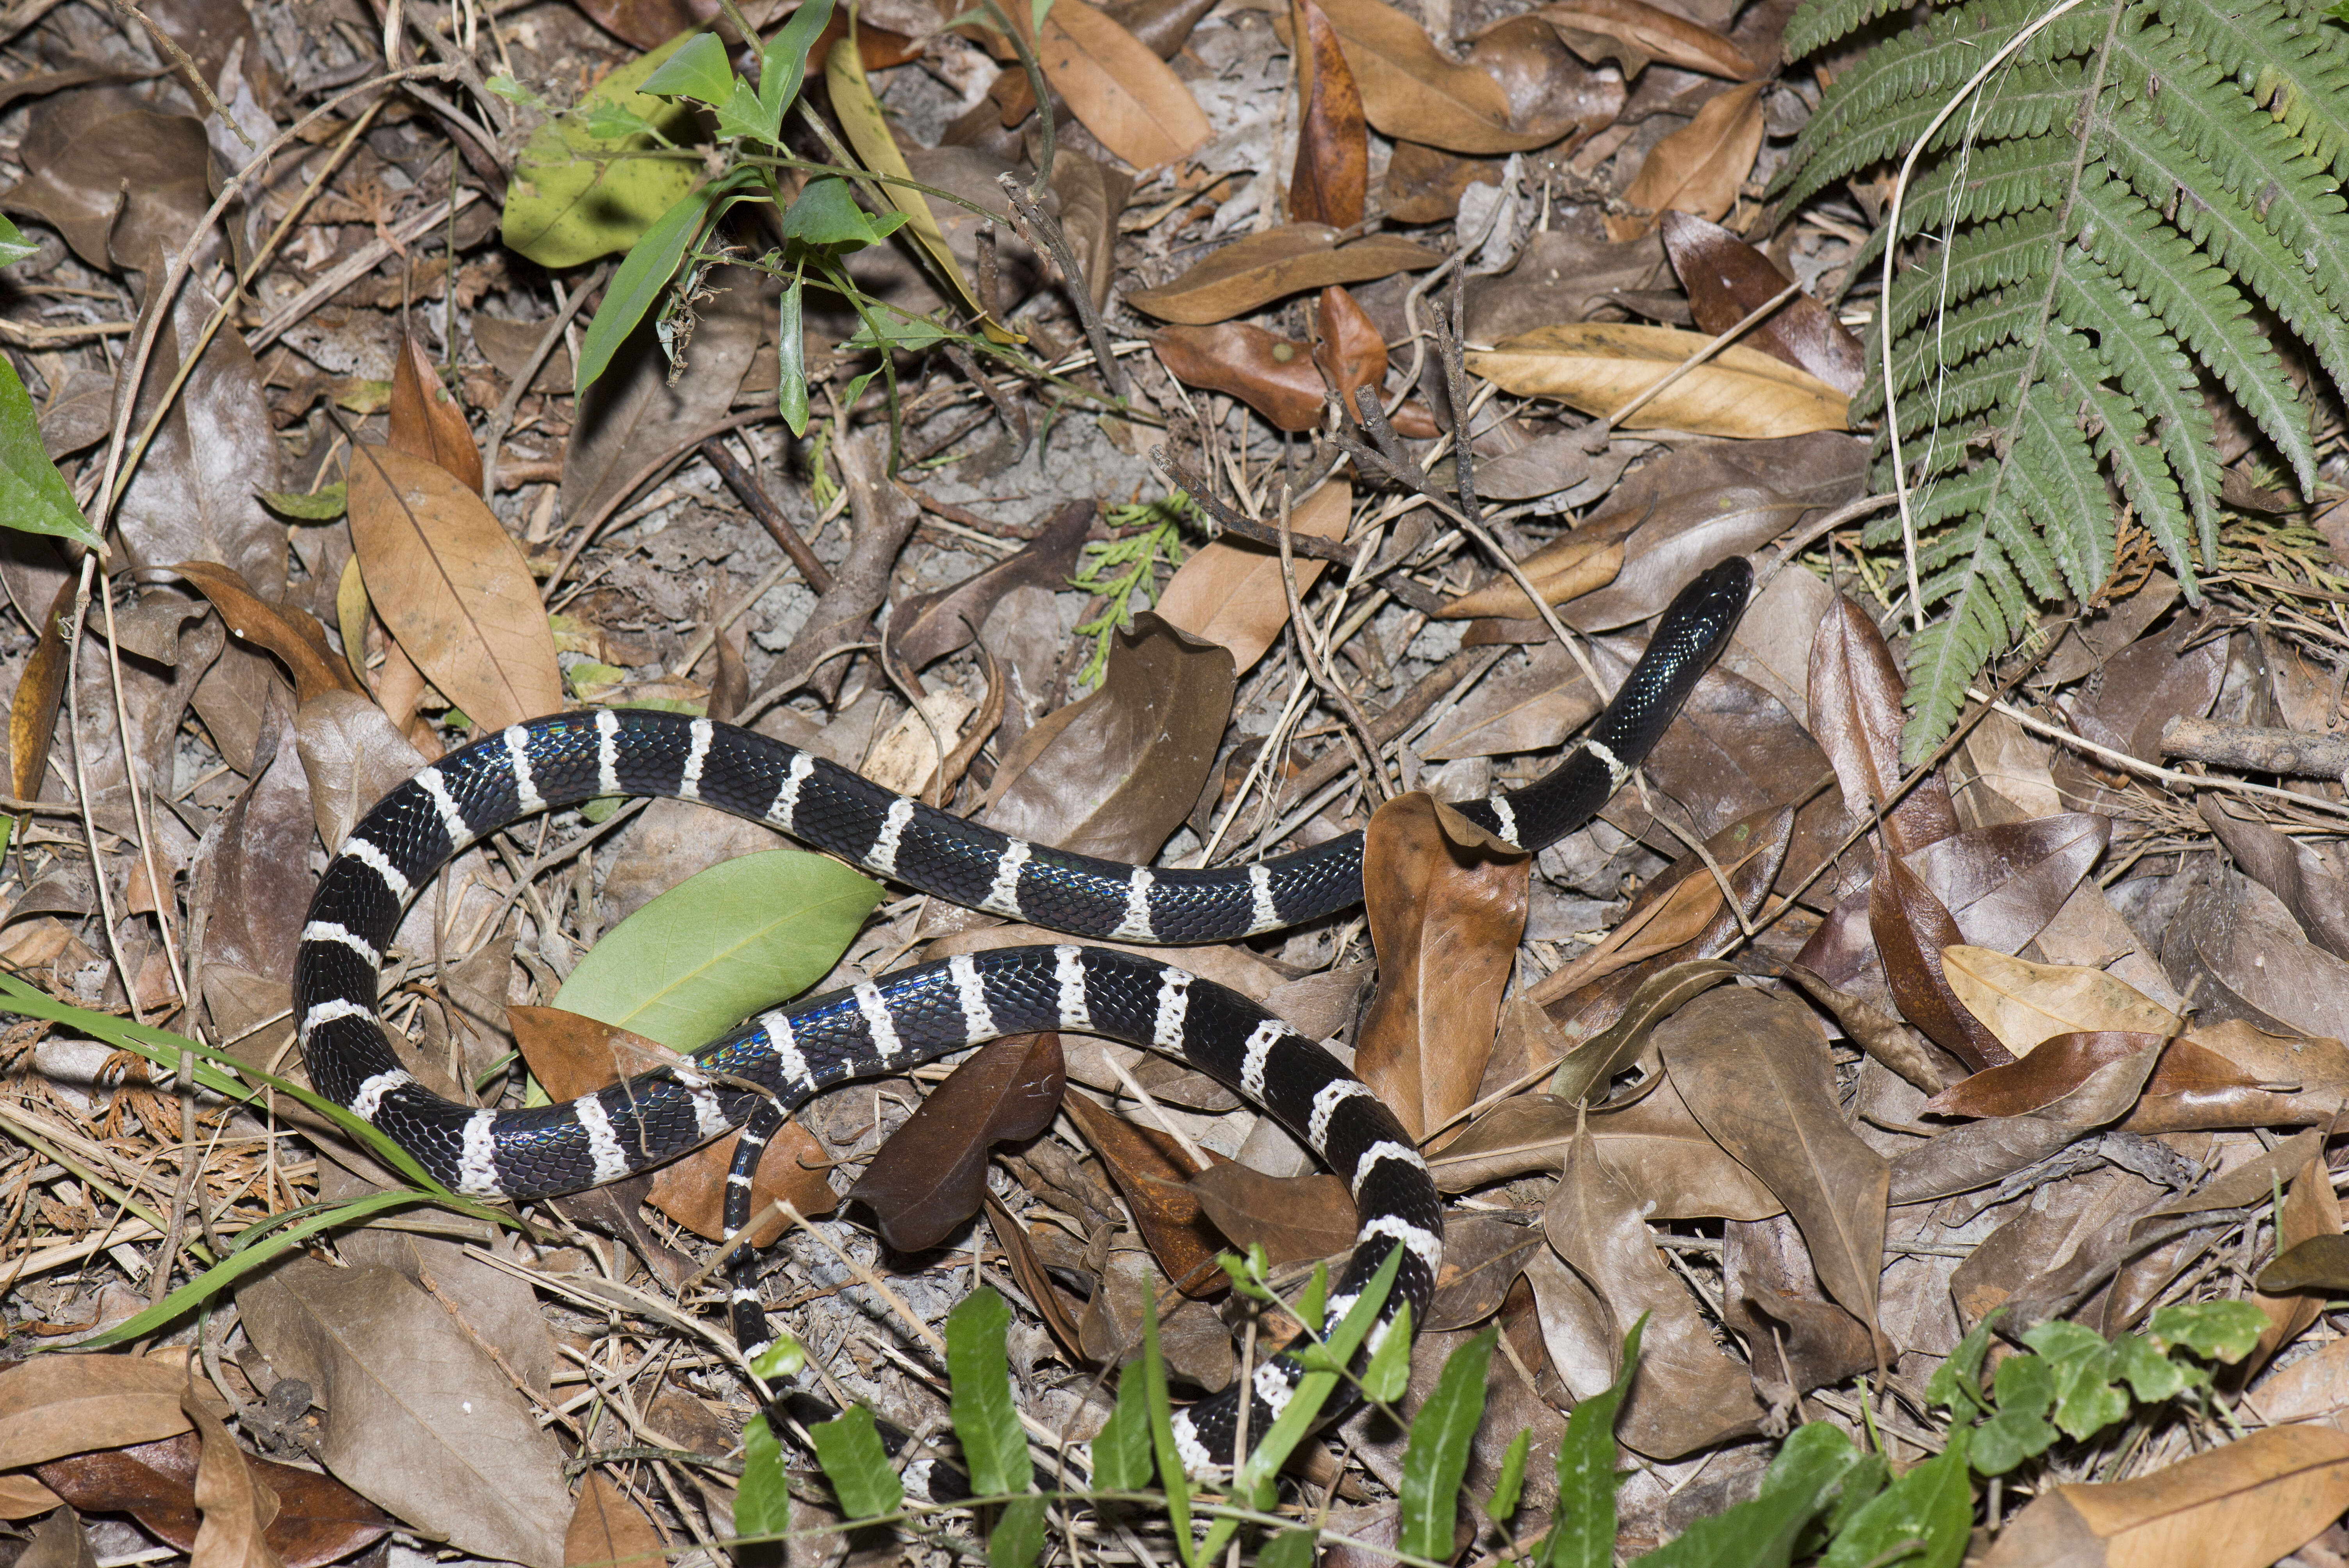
{"x": 2089, "y": 239}
{"x": 1125, "y": 570}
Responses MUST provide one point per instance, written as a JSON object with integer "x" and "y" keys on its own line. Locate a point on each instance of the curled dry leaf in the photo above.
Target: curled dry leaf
{"x": 2004, "y": 882}
{"x": 1727, "y": 279}
{"x": 1255, "y": 271}
{"x": 1583, "y": 1077}
{"x": 1982, "y": 1153}
{"x": 1546, "y": 85}
{"x": 1754, "y": 1069}
{"x": 1331, "y": 179}
{"x": 1114, "y": 773}
{"x": 1153, "y": 1176}
{"x": 1911, "y": 928}
{"x": 2242, "y": 1504}
{"x": 931, "y": 1175}
{"x": 1700, "y": 167}
{"x": 1296, "y": 1219}
{"x": 2310, "y": 1213}
{"x": 1633, "y": 32}
{"x": 1447, "y": 902}
{"x": 452, "y": 586}
{"x": 1122, "y": 92}
{"x": 1854, "y": 701}
{"x": 291, "y": 635}
{"x": 1878, "y": 1033}
{"x": 2193, "y": 1086}
{"x": 2023, "y": 1003}
{"x": 1599, "y": 367}
{"x": 933, "y": 625}
{"x": 1567, "y": 569}
{"x": 1411, "y": 90}
{"x": 1230, "y": 593}
{"x": 426, "y": 421}
{"x": 1483, "y": 1256}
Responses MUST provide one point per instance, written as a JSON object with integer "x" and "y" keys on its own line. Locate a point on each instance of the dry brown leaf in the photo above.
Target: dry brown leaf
{"x": 1727, "y": 280}
{"x": 1567, "y": 569}
{"x": 2242, "y": 1504}
{"x": 1855, "y": 693}
{"x": 1270, "y": 374}
{"x": 294, "y": 635}
{"x": 2023, "y": 1003}
{"x": 607, "y": 1529}
{"x": 427, "y": 422}
{"x": 1332, "y": 177}
{"x": 1912, "y": 929}
{"x": 1634, "y": 33}
{"x": 1261, "y": 268}
{"x": 1122, "y": 92}
{"x": 32, "y": 710}
{"x": 1152, "y": 1175}
{"x": 2310, "y": 1210}
{"x": 1229, "y": 592}
{"x": 1447, "y": 902}
{"x": 1411, "y": 89}
{"x": 931, "y": 1175}
{"x": 1296, "y": 1219}
{"x": 237, "y": 1507}
{"x": 54, "y": 1405}
{"x": 452, "y": 586}
{"x": 1599, "y": 367}
{"x": 1700, "y": 167}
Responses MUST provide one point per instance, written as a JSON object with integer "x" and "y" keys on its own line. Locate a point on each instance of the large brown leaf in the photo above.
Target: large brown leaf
{"x": 116, "y": 179}
{"x": 1727, "y": 280}
{"x": 2295, "y": 872}
{"x": 1270, "y": 374}
{"x": 452, "y": 586}
{"x": 1634, "y": 33}
{"x": 319, "y": 1518}
{"x": 1855, "y": 706}
{"x": 1125, "y": 95}
{"x": 1331, "y": 179}
{"x": 40, "y": 693}
{"x": 1700, "y": 167}
{"x": 1153, "y": 1176}
{"x": 1655, "y": 1143}
{"x": 1911, "y": 928}
{"x": 1690, "y": 1392}
{"x": 251, "y": 882}
{"x": 1231, "y": 593}
{"x": 426, "y": 421}
{"x": 294, "y": 635}
{"x": 1753, "y": 1069}
{"x": 1261, "y": 268}
{"x": 1982, "y": 1153}
{"x": 1484, "y": 1254}
{"x": 1447, "y": 902}
{"x": 1296, "y": 1219}
{"x": 419, "y": 1419}
{"x": 2003, "y": 882}
{"x": 931, "y": 1175}
{"x": 1114, "y": 773}
{"x": 1599, "y": 366}
{"x": 1413, "y": 89}
{"x": 53, "y": 1406}
{"x": 608, "y": 1528}
{"x": 931, "y": 625}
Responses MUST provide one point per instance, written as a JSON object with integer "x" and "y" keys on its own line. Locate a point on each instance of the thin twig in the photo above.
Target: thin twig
{"x": 1041, "y": 226}
{"x": 502, "y": 420}
{"x": 761, "y": 506}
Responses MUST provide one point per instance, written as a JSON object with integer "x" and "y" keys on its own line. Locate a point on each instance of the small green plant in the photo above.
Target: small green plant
{"x": 1124, "y": 569}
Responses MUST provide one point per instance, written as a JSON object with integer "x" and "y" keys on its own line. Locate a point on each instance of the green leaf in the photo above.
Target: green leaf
{"x": 322, "y": 505}
{"x": 2080, "y": 1370}
{"x": 13, "y": 246}
{"x": 764, "y": 1505}
{"x": 2008, "y": 1439}
{"x": 1177, "y": 1480}
{"x": 909, "y": 332}
{"x": 611, "y": 121}
{"x": 2215, "y": 1330}
{"x": 1437, "y": 1457}
{"x": 1294, "y": 1547}
{"x": 1018, "y": 1538}
{"x": 1388, "y": 1374}
{"x": 1120, "y": 1455}
{"x": 1932, "y": 1506}
{"x": 1808, "y": 1475}
{"x": 575, "y": 197}
{"x": 1956, "y": 1383}
{"x": 742, "y": 114}
{"x": 697, "y": 68}
{"x": 1582, "y": 1526}
{"x": 783, "y": 1358}
{"x": 849, "y": 1448}
{"x": 825, "y": 213}
{"x": 791, "y": 356}
{"x": 783, "y": 66}
{"x": 720, "y": 946}
{"x": 993, "y": 1445}
{"x": 34, "y": 496}
{"x": 642, "y": 276}
{"x": 1512, "y": 1482}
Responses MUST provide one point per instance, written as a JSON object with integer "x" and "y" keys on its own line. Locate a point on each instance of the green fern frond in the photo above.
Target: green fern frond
{"x": 1993, "y": 181}
{"x": 1981, "y": 259}
{"x": 2193, "y": 298}
{"x": 2138, "y": 464}
{"x": 2012, "y": 317}
{"x": 2063, "y": 486}
{"x": 1957, "y": 393}
{"x": 1815, "y": 26}
{"x": 1944, "y": 657}
{"x": 2158, "y": 378}
{"x": 2296, "y": 67}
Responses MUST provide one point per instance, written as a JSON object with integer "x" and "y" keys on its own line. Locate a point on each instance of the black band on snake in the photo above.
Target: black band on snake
{"x": 891, "y": 1025}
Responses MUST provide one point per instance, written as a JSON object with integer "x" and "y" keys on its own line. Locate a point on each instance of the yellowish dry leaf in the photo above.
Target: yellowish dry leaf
{"x": 1599, "y": 366}
{"x": 1566, "y": 570}
{"x": 1699, "y": 168}
{"x": 2025, "y": 1004}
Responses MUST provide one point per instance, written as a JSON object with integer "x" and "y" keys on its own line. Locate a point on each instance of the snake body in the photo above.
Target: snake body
{"x": 755, "y": 1074}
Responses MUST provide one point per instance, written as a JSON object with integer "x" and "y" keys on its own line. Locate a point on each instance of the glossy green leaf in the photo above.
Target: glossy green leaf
{"x": 34, "y": 496}
{"x": 783, "y": 1358}
{"x": 994, "y": 1448}
{"x": 791, "y": 367}
{"x": 322, "y": 505}
{"x": 1956, "y": 1383}
{"x": 720, "y": 946}
{"x": 575, "y": 197}
{"x": 783, "y": 65}
{"x": 1120, "y": 1454}
{"x": 1388, "y": 1374}
{"x": 764, "y": 1505}
{"x": 1437, "y": 1457}
{"x": 1801, "y": 1483}
{"x": 743, "y": 115}
{"x": 639, "y": 282}
{"x": 697, "y": 68}
{"x": 825, "y": 213}
{"x": 2009, "y": 1438}
{"x": 1018, "y": 1538}
{"x": 1582, "y": 1527}
{"x": 849, "y": 1448}
{"x": 1932, "y": 1505}
{"x": 1511, "y": 1482}
{"x": 13, "y": 246}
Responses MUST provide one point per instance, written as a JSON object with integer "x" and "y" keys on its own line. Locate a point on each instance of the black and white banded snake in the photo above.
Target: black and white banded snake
{"x": 934, "y": 1009}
